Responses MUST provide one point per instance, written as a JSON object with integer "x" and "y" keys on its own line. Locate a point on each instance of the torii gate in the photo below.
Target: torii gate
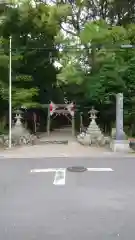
{"x": 58, "y": 109}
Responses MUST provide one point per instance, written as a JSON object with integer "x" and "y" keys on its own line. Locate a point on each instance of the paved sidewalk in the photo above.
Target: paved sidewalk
{"x": 52, "y": 150}
{"x": 73, "y": 149}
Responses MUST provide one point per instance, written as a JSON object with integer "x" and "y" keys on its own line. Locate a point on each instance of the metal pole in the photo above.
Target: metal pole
{"x": 10, "y": 92}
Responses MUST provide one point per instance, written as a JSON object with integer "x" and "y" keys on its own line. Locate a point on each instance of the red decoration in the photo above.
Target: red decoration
{"x": 51, "y": 107}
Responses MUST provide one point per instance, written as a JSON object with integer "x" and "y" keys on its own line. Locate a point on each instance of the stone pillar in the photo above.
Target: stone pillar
{"x": 119, "y": 117}
{"x": 120, "y": 144}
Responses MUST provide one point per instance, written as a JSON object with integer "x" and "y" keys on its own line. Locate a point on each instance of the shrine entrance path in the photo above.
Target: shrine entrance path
{"x": 62, "y": 134}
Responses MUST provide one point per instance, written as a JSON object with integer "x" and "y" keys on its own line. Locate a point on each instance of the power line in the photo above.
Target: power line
{"x": 122, "y": 46}
{"x": 69, "y": 49}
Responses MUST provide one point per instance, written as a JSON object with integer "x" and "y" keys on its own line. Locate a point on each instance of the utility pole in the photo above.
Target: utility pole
{"x": 10, "y": 92}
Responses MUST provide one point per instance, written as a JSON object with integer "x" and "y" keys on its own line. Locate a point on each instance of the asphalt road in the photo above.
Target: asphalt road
{"x": 90, "y": 205}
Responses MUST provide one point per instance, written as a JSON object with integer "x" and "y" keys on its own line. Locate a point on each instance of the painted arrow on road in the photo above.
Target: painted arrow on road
{"x": 60, "y": 173}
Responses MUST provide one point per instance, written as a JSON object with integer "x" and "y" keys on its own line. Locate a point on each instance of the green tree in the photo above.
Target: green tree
{"x": 33, "y": 30}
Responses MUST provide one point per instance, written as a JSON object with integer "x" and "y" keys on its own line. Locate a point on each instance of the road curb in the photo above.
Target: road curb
{"x": 103, "y": 156}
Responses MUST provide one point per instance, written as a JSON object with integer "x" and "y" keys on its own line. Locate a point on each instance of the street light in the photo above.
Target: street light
{"x": 10, "y": 92}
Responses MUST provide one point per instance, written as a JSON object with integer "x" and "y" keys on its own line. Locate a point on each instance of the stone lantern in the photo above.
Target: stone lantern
{"x": 93, "y": 133}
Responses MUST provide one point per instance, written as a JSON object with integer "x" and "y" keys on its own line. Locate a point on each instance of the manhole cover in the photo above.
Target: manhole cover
{"x": 77, "y": 169}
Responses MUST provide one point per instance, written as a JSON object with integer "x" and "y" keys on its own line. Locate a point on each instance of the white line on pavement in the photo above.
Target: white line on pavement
{"x": 60, "y": 177}
{"x": 46, "y": 170}
{"x": 100, "y": 169}
{"x": 60, "y": 173}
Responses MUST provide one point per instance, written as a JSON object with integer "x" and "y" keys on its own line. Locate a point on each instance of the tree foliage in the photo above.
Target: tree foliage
{"x": 33, "y": 30}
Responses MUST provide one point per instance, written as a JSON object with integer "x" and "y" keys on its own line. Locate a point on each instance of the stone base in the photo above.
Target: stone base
{"x": 120, "y": 146}
{"x": 84, "y": 139}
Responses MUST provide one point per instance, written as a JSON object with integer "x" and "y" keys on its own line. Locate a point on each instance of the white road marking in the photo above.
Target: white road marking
{"x": 60, "y": 173}
{"x": 60, "y": 177}
{"x": 46, "y": 170}
{"x": 100, "y": 169}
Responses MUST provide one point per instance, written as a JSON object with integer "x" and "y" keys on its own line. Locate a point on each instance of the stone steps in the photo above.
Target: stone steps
{"x": 53, "y": 141}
